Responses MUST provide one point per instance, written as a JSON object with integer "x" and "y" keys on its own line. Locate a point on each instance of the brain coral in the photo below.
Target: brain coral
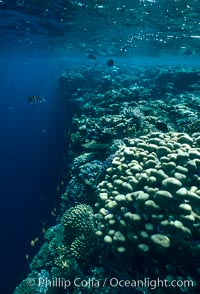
{"x": 79, "y": 225}
{"x": 149, "y": 200}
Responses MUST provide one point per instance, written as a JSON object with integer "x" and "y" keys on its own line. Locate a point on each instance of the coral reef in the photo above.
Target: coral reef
{"x": 79, "y": 224}
{"x": 131, "y": 204}
{"x": 149, "y": 200}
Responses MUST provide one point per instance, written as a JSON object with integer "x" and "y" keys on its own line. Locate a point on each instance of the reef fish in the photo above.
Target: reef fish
{"x": 33, "y": 242}
{"x": 91, "y": 56}
{"x": 36, "y": 99}
{"x": 110, "y": 62}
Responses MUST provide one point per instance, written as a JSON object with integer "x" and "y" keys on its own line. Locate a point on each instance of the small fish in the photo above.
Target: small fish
{"x": 43, "y": 230}
{"x": 36, "y": 99}
{"x": 53, "y": 212}
{"x": 27, "y": 257}
{"x": 110, "y": 62}
{"x": 33, "y": 242}
{"x": 36, "y": 240}
{"x": 58, "y": 188}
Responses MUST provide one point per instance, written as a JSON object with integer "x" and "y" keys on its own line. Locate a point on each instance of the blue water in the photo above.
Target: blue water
{"x": 31, "y": 148}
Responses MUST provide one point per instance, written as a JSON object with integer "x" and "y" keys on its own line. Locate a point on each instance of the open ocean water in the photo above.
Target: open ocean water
{"x": 78, "y": 80}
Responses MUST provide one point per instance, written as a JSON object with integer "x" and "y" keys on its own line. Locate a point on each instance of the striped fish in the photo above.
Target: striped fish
{"x": 36, "y": 99}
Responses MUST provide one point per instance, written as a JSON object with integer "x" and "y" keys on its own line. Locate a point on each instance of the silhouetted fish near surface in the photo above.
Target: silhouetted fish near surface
{"x": 91, "y": 56}
{"x": 110, "y": 62}
{"x": 36, "y": 99}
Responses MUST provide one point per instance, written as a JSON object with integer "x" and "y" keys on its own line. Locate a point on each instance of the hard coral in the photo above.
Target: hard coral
{"x": 149, "y": 200}
{"x": 80, "y": 226}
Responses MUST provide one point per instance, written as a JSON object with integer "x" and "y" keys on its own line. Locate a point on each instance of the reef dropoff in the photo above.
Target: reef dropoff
{"x": 131, "y": 205}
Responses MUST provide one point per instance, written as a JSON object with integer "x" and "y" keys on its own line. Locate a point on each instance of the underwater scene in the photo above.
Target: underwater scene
{"x": 100, "y": 146}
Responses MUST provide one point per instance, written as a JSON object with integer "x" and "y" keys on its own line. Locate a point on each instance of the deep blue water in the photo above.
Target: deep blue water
{"x": 31, "y": 148}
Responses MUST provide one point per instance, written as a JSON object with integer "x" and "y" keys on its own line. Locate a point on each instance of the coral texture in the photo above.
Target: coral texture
{"x": 150, "y": 198}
